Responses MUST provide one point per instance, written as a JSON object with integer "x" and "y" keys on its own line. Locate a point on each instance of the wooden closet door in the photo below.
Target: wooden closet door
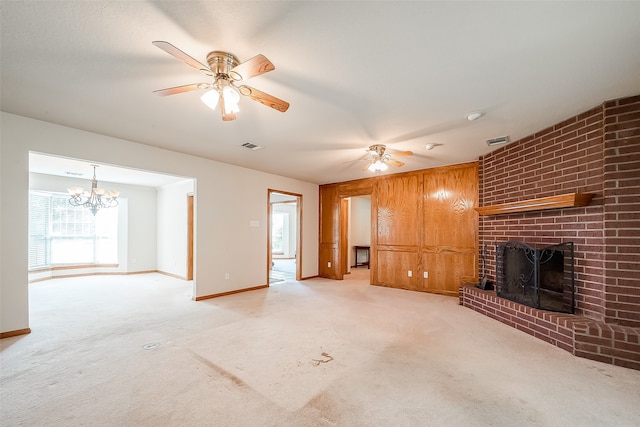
{"x": 449, "y": 254}
{"x": 398, "y": 225}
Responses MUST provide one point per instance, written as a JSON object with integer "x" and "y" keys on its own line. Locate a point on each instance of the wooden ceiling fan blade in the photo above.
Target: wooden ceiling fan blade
{"x": 255, "y": 66}
{"x": 394, "y": 162}
{"x": 177, "y": 53}
{"x": 180, "y": 89}
{"x": 402, "y": 153}
{"x": 264, "y": 98}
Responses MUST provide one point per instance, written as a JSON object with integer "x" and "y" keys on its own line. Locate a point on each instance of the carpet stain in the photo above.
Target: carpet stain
{"x": 222, "y": 372}
{"x": 317, "y": 362}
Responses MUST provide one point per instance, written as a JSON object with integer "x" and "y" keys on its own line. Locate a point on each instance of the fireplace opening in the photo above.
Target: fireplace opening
{"x": 538, "y": 277}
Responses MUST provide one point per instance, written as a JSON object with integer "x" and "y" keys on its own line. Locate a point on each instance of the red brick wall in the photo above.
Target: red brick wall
{"x": 622, "y": 211}
{"x": 564, "y": 158}
{"x": 595, "y": 152}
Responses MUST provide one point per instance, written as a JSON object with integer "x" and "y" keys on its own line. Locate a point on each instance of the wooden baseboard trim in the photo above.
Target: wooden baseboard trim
{"x": 15, "y": 333}
{"x": 111, "y": 273}
{"x": 309, "y": 277}
{"x": 137, "y": 272}
{"x": 255, "y": 288}
{"x": 175, "y": 276}
{"x": 71, "y": 267}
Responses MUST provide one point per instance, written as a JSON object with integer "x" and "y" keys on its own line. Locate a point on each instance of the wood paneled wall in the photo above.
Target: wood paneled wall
{"x": 423, "y": 224}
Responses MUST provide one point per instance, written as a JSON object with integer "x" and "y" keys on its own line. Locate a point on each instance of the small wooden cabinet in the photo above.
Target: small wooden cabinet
{"x": 358, "y": 250}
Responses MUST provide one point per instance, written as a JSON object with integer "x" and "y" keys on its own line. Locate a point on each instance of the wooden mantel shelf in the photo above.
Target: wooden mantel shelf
{"x": 553, "y": 202}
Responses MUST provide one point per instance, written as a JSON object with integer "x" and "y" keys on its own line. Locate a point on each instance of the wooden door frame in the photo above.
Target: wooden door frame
{"x": 190, "y": 227}
{"x": 343, "y": 258}
{"x": 299, "y": 220}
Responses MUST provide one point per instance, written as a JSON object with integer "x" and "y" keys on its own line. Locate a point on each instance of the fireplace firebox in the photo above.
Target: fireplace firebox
{"x": 538, "y": 277}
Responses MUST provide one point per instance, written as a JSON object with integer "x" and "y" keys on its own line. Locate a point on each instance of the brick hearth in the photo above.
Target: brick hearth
{"x": 579, "y": 335}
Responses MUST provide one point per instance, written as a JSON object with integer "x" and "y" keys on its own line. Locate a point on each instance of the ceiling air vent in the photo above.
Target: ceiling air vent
{"x": 497, "y": 141}
{"x": 251, "y": 146}
{"x": 73, "y": 173}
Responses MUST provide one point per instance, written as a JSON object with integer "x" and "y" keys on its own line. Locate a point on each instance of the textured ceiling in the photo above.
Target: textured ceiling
{"x": 356, "y": 73}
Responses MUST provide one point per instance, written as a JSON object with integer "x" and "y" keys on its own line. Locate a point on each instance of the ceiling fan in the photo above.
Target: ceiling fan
{"x": 228, "y": 75}
{"x": 378, "y": 159}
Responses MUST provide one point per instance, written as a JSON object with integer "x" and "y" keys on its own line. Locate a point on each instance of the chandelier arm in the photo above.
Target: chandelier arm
{"x": 94, "y": 199}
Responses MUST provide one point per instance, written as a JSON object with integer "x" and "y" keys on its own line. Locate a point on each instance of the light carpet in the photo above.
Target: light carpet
{"x": 137, "y": 351}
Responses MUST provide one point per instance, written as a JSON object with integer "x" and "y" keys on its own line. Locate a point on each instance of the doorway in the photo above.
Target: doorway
{"x": 355, "y": 233}
{"x": 284, "y": 237}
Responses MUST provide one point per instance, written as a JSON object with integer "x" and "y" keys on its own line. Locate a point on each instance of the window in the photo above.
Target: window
{"x": 277, "y": 232}
{"x": 63, "y": 234}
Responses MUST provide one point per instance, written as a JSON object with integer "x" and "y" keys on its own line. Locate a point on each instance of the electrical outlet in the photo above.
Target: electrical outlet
{"x": 409, "y": 273}
{"x": 329, "y": 264}
{"x": 226, "y": 275}
{"x": 426, "y": 274}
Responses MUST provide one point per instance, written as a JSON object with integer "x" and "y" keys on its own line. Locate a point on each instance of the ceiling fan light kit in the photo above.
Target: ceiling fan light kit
{"x": 378, "y": 166}
{"x": 379, "y": 161}
{"x": 227, "y": 72}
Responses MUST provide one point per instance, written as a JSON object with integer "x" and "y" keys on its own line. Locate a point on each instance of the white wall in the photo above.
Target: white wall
{"x": 172, "y": 227}
{"x": 359, "y": 224}
{"x": 224, "y": 240}
{"x": 361, "y": 221}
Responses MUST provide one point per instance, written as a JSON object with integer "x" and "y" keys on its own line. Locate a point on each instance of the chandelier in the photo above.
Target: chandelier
{"x": 94, "y": 199}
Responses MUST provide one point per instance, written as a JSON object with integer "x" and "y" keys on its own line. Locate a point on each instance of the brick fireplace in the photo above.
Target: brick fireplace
{"x": 596, "y": 152}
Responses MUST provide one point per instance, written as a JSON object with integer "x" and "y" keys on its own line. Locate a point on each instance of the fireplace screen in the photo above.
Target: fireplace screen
{"x": 537, "y": 277}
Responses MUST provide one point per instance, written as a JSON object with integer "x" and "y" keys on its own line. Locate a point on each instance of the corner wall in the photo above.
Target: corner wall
{"x": 622, "y": 211}
{"x": 224, "y": 240}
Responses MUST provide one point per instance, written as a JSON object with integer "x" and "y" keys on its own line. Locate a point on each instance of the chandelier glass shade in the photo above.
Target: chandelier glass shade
{"x": 95, "y": 198}
{"x": 377, "y": 166}
{"x": 224, "y": 95}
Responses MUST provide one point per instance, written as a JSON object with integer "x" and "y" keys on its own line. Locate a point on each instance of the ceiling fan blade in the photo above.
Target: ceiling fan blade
{"x": 255, "y": 66}
{"x": 180, "y": 89}
{"x": 394, "y": 162}
{"x": 177, "y": 53}
{"x": 264, "y": 98}
{"x": 402, "y": 153}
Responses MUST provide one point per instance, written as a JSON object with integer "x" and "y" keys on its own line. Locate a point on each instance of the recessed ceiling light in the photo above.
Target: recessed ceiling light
{"x": 475, "y": 115}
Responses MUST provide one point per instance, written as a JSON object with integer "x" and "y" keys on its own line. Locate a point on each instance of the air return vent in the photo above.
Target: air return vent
{"x": 498, "y": 141}
{"x": 251, "y": 146}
